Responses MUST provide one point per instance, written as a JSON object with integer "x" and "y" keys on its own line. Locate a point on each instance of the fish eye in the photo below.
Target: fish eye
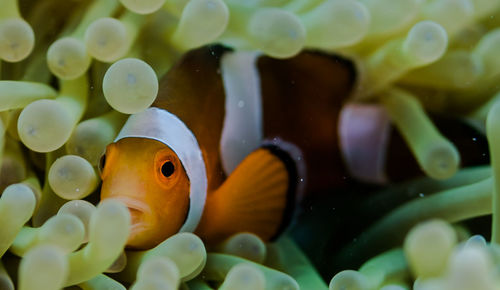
{"x": 167, "y": 169}
{"x": 102, "y": 163}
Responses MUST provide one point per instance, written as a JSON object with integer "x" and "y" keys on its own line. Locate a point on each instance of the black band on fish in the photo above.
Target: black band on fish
{"x": 293, "y": 183}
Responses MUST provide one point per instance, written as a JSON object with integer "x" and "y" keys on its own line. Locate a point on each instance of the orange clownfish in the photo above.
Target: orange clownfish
{"x": 213, "y": 154}
{"x": 209, "y": 157}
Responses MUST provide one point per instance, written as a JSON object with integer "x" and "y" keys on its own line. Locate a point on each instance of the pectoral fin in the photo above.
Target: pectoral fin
{"x": 258, "y": 197}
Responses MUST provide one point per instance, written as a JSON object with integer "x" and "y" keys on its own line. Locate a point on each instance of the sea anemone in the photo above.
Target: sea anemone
{"x": 72, "y": 71}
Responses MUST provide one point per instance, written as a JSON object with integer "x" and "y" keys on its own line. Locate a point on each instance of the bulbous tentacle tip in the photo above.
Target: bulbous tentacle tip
{"x": 348, "y": 279}
{"x": 107, "y": 40}
{"x": 130, "y": 85}
{"x": 67, "y": 58}
{"x": 143, "y": 6}
{"x": 17, "y": 39}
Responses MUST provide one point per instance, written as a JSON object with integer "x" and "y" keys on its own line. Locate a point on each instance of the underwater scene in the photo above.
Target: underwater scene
{"x": 250, "y": 144}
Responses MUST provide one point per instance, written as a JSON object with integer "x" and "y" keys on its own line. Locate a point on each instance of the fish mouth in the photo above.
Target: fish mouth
{"x": 142, "y": 221}
{"x": 137, "y": 210}
{"x": 135, "y": 216}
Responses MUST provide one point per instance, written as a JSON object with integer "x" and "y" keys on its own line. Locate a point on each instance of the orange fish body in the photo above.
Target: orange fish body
{"x": 214, "y": 154}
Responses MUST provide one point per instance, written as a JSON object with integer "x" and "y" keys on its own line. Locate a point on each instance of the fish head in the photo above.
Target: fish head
{"x": 148, "y": 177}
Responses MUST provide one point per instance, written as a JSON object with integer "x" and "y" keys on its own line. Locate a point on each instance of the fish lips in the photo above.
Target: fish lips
{"x": 138, "y": 211}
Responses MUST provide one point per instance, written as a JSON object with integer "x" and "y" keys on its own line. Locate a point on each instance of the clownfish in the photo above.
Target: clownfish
{"x": 231, "y": 139}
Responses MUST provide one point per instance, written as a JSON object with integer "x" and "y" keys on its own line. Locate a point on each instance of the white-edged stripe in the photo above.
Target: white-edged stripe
{"x": 300, "y": 165}
{"x": 364, "y": 136}
{"x": 160, "y": 125}
{"x": 242, "y": 130}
